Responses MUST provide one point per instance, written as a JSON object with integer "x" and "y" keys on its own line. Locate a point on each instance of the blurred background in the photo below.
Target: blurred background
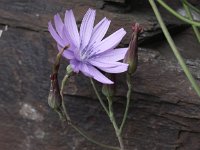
{"x": 164, "y": 112}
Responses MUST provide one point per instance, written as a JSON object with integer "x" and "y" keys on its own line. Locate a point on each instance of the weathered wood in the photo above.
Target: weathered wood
{"x": 164, "y": 112}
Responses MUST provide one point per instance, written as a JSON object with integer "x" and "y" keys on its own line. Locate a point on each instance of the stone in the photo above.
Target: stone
{"x": 164, "y": 112}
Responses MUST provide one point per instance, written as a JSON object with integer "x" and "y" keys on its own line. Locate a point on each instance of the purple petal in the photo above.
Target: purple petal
{"x": 66, "y": 37}
{"x": 99, "y": 31}
{"x": 75, "y": 65}
{"x": 116, "y": 69}
{"x": 71, "y": 28}
{"x": 84, "y": 69}
{"x": 91, "y": 71}
{"x": 69, "y": 54}
{"x": 87, "y": 27}
{"x": 110, "y": 42}
{"x": 55, "y": 35}
{"x": 111, "y": 55}
{"x": 110, "y": 67}
{"x": 58, "y": 24}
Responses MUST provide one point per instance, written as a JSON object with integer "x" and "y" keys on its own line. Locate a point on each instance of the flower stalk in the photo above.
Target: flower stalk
{"x": 99, "y": 97}
{"x": 68, "y": 119}
{"x": 108, "y": 92}
{"x": 113, "y": 121}
{"x": 128, "y": 98}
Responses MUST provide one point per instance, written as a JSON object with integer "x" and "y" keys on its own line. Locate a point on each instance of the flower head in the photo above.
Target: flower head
{"x": 88, "y": 51}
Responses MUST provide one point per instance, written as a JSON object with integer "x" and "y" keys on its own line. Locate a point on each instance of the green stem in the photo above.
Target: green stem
{"x": 66, "y": 77}
{"x": 109, "y": 112}
{"x": 192, "y": 7}
{"x": 187, "y": 10}
{"x": 128, "y": 96}
{"x": 92, "y": 140}
{"x": 174, "y": 49}
{"x": 196, "y": 23}
{"x": 64, "y": 81}
{"x": 99, "y": 97}
{"x": 85, "y": 135}
{"x": 112, "y": 119}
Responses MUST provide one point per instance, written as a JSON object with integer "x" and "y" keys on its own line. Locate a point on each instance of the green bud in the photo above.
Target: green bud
{"x": 54, "y": 98}
{"x": 108, "y": 90}
{"x": 69, "y": 69}
{"x": 131, "y": 56}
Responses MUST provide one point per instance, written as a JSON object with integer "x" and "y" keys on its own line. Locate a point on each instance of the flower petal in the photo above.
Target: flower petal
{"x": 84, "y": 69}
{"x": 110, "y": 67}
{"x": 116, "y": 69}
{"x": 69, "y": 54}
{"x": 58, "y": 24}
{"x": 110, "y": 42}
{"x": 87, "y": 27}
{"x": 99, "y": 31}
{"x": 75, "y": 65}
{"x": 111, "y": 55}
{"x": 91, "y": 71}
{"x": 55, "y": 35}
{"x": 71, "y": 28}
{"x": 67, "y": 38}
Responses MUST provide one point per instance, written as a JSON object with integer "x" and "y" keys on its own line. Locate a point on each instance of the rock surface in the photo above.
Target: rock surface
{"x": 164, "y": 112}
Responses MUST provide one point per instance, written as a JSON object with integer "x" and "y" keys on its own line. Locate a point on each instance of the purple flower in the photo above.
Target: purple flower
{"x": 88, "y": 50}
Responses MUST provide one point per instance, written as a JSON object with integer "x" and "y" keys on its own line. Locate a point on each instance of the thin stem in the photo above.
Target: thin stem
{"x": 85, "y": 135}
{"x": 196, "y": 23}
{"x": 75, "y": 127}
{"x": 187, "y": 10}
{"x": 121, "y": 143}
{"x": 192, "y": 7}
{"x": 128, "y": 96}
{"x": 99, "y": 97}
{"x": 112, "y": 119}
{"x": 111, "y": 114}
{"x": 62, "y": 98}
{"x": 174, "y": 49}
{"x": 93, "y": 141}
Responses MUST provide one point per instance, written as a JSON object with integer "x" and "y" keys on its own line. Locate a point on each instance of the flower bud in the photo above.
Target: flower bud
{"x": 54, "y": 98}
{"x": 131, "y": 56}
{"x": 69, "y": 70}
{"x": 108, "y": 90}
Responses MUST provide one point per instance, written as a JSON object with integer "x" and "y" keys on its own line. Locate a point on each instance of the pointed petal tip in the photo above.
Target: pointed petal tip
{"x": 123, "y": 30}
{"x": 111, "y": 82}
{"x": 50, "y": 26}
{"x": 49, "y": 23}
